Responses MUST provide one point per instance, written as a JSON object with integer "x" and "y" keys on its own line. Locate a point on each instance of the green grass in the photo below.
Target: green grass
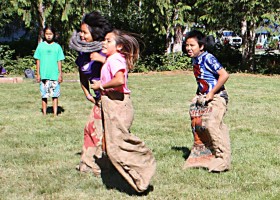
{"x": 39, "y": 154}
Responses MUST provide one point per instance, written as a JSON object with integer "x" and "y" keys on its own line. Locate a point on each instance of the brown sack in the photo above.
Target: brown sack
{"x": 130, "y": 156}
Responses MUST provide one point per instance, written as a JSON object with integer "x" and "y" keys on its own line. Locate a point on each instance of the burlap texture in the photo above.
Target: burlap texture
{"x": 130, "y": 156}
{"x": 92, "y": 147}
{"x": 211, "y": 147}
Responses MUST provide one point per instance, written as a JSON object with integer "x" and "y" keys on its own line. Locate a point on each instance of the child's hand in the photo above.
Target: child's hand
{"x": 60, "y": 79}
{"x": 97, "y": 57}
{"x": 209, "y": 96}
{"x": 38, "y": 78}
{"x": 90, "y": 98}
{"x": 194, "y": 100}
{"x": 95, "y": 85}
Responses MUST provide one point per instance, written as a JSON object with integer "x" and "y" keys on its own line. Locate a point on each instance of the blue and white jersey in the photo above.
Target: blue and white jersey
{"x": 205, "y": 68}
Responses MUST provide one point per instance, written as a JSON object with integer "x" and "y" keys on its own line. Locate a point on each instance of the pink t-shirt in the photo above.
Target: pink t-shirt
{"x": 113, "y": 64}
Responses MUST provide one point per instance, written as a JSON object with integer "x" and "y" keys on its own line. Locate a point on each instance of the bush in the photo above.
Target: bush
{"x": 273, "y": 43}
{"x": 268, "y": 63}
{"x": 6, "y": 55}
{"x": 230, "y": 58}
{"x": 23, "y": 47}
{"x": 166, "y": 62}
{"x": 69, "y": 65}
{"x": 15, "y": 66}
{"x": 175, "y": 61}
{"x": 19, "y": 65}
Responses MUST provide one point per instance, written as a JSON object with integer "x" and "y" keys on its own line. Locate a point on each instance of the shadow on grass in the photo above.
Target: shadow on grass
{"x": 186, "y": 151}
{"x": 50, "y": 110}
{"x": 112, "y": 179}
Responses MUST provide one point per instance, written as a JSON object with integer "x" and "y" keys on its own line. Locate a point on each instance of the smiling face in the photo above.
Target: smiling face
{"x": 49, "y": 35}
{"x": 110, "y": 46}
{"x": 193, "y": 49}
{"x": 85, "y": 33}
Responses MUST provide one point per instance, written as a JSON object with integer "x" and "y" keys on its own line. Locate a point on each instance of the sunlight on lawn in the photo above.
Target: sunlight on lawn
{"x": 39, "y": 154}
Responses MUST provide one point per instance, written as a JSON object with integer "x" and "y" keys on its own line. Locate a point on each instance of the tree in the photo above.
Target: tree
{"x": 242, "y": 16}
{"x": 251, "y": 14}
{"x": 9, "y": 21}
{"x": 63, "y": 15}
{"x": 167, "y": 18}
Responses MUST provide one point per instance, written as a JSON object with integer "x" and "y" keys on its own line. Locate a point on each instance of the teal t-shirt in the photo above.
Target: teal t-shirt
{"x": 49, "y": 55}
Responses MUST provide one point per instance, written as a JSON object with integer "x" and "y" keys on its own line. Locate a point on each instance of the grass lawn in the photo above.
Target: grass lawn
{"x": 39, "y": 154}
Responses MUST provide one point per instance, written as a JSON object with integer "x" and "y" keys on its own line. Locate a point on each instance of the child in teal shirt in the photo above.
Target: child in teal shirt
{"x": 48, "y": 57}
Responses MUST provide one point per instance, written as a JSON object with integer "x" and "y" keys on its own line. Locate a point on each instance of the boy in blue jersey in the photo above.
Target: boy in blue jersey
{"x": 211, "y": 147}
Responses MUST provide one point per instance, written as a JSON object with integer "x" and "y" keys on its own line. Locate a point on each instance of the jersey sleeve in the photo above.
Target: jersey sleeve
{"x": 213, "y": 63}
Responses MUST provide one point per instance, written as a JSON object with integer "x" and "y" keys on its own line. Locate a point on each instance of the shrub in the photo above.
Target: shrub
{"x": 268, "y": 63}
{"x": 230, "y": 58}
{"x": 69, "y": 65}
{"x": 166, "y": 62}
{"x": 19, "y": 65}
{"x": 6, "y": 55}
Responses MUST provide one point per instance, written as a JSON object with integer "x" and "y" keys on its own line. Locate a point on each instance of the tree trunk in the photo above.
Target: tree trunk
{"x": 174, "y": 42}
{"x": 178, "y": 39}
{"x": 42, "y": 20}
{"x": 251, "y": 50}
{"x": 245, "y": 43}
{"x": 169, "y": 42}
{"x": 248, "y": 50}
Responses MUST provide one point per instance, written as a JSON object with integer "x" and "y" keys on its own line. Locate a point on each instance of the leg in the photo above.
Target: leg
{"x": 55, "y": 104}
{"x": 92, "y": 146}
{"x": 44, "y": 105}
{"x": 44, "y": 95}
{"x": 54, "y": 93}
{"x": 201, "y": 152}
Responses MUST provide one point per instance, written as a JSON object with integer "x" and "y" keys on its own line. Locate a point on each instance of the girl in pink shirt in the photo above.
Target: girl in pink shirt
{"x": 121, "y": 52}
{"x": 129, "y": 155}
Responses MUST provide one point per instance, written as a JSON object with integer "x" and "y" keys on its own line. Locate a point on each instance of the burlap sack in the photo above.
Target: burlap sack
{"x": 211, "y": 147}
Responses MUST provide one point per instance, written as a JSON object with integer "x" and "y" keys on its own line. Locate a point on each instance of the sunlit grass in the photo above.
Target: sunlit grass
{"x": 39, "y": 154}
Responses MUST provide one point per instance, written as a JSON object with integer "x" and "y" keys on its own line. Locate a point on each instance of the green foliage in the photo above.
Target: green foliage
{"x": 23, "y": 47}
{"x": 230, "y": 58}
{"x": 18, "y": 66}
{"x": 268, "y": 63}
{"x": 6, "y": 55}
{"x": 157, "y": 22}
{"x": 175, "y": 61}
{"x": 6, "y": 13}
{"x": 150, "y": 63}
{"x": 273, "y": 43}
{"x": 28, "y": 62}
{"x": 166, "y": 62}
{"x": 69, "y": 65}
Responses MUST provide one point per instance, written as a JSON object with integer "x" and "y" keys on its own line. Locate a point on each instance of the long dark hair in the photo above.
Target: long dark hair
{"x": 130, "y": 46}
{"x": 97, "y": 25}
